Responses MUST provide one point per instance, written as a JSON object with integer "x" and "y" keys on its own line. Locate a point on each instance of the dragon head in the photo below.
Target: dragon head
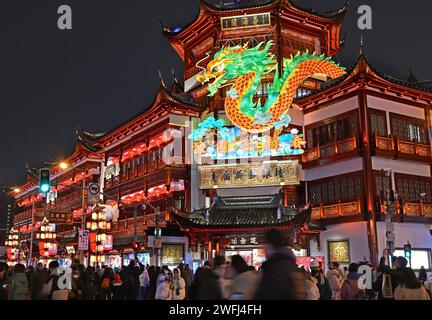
{"x": 232, "y": 62}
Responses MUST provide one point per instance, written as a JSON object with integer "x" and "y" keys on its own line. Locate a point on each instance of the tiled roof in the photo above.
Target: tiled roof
{"x": 246, "y": 4}
{"x": 244, "y": 212}
{"x": 334, "y": 82}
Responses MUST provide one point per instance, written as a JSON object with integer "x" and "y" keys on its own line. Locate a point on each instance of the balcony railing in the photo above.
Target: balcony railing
{"x": 393, "y": 146}
{"x": 419, "y": 209}
{"x": 413, "y": 148}
{"x": 383, "y": 143}
{"x": 144, "y": 169}
{"x": 74, "y": 196}
{"x": 27, "y": 215}
{"x": 329, "y": 150}
{"x": 341, "y": 209}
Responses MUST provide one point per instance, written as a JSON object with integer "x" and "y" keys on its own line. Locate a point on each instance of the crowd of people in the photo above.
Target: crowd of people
{"x": 279, "y": 278}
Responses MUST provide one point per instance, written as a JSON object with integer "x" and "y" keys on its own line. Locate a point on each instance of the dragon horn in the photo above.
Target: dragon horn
{"x": 197, "y": 64}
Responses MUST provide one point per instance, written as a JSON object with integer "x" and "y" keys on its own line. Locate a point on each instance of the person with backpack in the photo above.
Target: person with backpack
{"x": 117, "y": 288}
{"x": 105, "y": 284}
{"x": 350, "y": 289}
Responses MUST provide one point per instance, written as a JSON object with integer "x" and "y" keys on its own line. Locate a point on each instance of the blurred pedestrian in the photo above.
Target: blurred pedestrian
{"x": 281, "y": 279}
{"x": 37, "y": 281}
{"x": 19, "y": 288}
{"x": 245, "y": 280}
{"x": 410, "y": 287}
{"x": 165, "y": 287}
{"x": 3, "y": 280}
{"x": 422, "y": 275}
{"x": 105, "y": 284}
{"x": 321, "y": 281}
{"x": 144, "y": 281}
{"x": 335, "y": 278}
{"x": 117, "y": 288}
{"x": 350, "y": 289}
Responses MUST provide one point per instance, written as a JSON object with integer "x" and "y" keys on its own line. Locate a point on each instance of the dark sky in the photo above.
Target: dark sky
{"x": 105, "y": 70}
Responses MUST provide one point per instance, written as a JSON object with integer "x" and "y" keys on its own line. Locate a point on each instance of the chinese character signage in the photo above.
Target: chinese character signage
{"x": 246, "y": 21}
{"x": 244, "y": 241}
{"x": 243, "y": 175}
{"x": 60, "y": 217}
{"x": 83, "y": 240}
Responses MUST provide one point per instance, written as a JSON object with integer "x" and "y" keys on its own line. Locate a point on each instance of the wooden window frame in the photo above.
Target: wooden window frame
{"x": 421, "y": 122}
{"x": 320, "y": 182}
{"x": 398, "y": 176}
{"x": 378, "y": 112}
{"x": 330, "y": 120}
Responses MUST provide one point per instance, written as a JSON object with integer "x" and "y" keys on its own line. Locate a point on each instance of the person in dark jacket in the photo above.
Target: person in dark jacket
{"x": 322, "y": 282}
{"x": 422, "y": 275}
{"x": 131, "y": 275}
{"x": 153, "y": 275}
{"x": 3, "y": 280}
{"x": 37, "y": 281}
{"x": 396, "y": 273}
{"x": 105, "y": 284}
{"x": 86, "y": 284}
{"x": 117, "y": 288}
{"x": 281, "y": 278}
{"x": 208, "y": 281}
{"x": 193, "y": 290}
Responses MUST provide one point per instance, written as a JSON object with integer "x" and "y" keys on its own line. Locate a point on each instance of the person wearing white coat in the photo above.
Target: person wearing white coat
{"x": 179, "y": 288}
{"x": 335, "y": 279}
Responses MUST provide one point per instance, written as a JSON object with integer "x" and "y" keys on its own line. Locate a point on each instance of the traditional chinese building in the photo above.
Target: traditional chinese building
{"x": 354, "y": 126}
{"x": 220, "y": 186}
{"x": 241, "y": 197}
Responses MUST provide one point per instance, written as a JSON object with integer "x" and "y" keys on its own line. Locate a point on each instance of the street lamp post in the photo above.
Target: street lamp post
{"x": 83, "y": 217}
{"x": 31, "y": 235}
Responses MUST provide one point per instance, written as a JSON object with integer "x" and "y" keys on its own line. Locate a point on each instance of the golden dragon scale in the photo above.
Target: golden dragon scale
{"x": 283, "y": 102}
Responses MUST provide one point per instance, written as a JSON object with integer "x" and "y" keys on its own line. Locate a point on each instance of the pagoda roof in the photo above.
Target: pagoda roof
{"x": 248, "y": 4}
{"x": 363, "y": 66}
{"x": 179, "y": 37}
{"x": 182, "y": 100}
{"x": 249, "y": 212}
{"x": 233, "y": 6}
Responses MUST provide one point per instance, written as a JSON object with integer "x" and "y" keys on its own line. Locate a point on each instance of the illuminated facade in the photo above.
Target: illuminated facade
{"x": 264, "y": 123}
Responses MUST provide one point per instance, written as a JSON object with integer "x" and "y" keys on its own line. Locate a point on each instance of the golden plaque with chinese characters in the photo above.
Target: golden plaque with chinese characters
{"x": 244, "y": 175}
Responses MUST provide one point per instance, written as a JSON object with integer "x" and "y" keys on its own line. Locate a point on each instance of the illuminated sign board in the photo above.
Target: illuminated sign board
{"x": 243, "y": 175}
{"x": 245, "y": 21}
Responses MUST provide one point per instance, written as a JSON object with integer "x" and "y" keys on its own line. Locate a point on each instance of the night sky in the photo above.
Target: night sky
{"x": 105, "y": 70}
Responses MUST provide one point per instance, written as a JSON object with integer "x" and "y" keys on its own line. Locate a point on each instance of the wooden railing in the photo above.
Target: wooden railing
{"x": 413, "y": 148}
{"x": 27, "y": 215}
{"x": 142, "y": 170}
{"x": 329, "y": 150}
{"x": 76, "y": 195}
{"x": 383, "y": 143}
{"x": 419, "y": 209}
{"x": 341, "y": 209}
